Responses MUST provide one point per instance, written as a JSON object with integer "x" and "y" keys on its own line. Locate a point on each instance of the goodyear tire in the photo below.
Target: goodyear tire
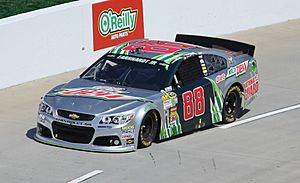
{"x": 148, "y": 129}
{"x": 232, "y": 104}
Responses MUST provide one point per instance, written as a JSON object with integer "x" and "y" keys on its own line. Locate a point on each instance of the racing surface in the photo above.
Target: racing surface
{"x": 265, "y": 150}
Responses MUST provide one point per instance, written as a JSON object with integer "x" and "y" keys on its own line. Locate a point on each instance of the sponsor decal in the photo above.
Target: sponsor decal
{"x": 173, "y": 115}
{"x": 157, "y": 47}
{"x": 237, "y": 70}
{"x": 169, "y": 99}
{"x": 167, "y": 104}
{"x": 115, "y": 22}
{"x": 168, "y": 95}
{"x": 241, "y": 68}
{"x": 251, "y": 87}
{"x": 131, "y": 131}
{"x": 231, "y": 72}
{"x": 112, "y": 22}
{"x": 104, "y": 126}
{"x": 127, "y": 127}
{"x": 134, "y": 59}
{"x": 172, "y": 125}
{"x": 78, "y": 123}
{"x": 98, "y": 92}
{"x": 220, "y": 78}
{"x": 168, "y": 89}
{"x": 127, "y": 136}
{"x": 127, "y": 132}
{"x": 130, "y": 141}
{"x": 139, "y": 60}
{"x": 168, "y": 52}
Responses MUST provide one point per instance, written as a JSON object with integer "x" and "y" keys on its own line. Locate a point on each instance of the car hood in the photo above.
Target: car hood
{"x": 87, "y": 96}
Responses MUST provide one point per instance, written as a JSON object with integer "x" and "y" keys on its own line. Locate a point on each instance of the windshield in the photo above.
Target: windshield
{"x": 128, "y": 71}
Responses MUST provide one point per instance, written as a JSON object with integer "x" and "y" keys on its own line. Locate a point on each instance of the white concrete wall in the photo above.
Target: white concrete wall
{"x": 165, "y": 18}
{"x": 46, "y": 42}
{"x": 59, "y": 39}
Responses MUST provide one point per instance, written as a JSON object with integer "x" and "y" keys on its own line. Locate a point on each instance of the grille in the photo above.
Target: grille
{"x": 79, "y": 116}
{"x": 74, "y": 134}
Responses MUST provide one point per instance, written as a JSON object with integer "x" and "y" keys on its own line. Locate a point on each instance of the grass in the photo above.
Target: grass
{"x": 14, "y": 7}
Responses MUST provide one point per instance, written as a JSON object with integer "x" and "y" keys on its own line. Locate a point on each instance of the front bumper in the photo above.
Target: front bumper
{"x": 82, "y": 147}
{"x": 127, "y": 142}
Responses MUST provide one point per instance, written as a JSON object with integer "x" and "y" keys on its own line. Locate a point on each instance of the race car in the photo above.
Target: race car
{"x": 146, "y": 90}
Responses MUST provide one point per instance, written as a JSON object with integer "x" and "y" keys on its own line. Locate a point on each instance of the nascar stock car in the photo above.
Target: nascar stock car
{"x": 144, "y": 91}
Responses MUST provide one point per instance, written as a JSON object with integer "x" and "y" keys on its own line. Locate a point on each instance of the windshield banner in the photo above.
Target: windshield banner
{"x": 116, "y": 21}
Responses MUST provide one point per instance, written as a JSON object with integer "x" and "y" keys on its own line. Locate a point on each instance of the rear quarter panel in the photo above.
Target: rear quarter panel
{"x": 241, "y": 70}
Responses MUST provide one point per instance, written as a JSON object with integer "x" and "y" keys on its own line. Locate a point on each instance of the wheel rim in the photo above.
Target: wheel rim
{"x": 147, "y": 129}
{"x": 231, "y": 103}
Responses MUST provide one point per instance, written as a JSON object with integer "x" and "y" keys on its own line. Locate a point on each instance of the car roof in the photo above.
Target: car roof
{"x": 164, "y": 51}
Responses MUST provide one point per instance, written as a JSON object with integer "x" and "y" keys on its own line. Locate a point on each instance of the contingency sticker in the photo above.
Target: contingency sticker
{"x": 127, "y": 132}
{"x": 220, "y": 78}
{"x": 172, "y": 126}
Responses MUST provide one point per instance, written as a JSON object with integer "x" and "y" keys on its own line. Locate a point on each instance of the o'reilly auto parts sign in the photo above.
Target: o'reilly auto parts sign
{"x": 116, "y": 21}
{"x": 111, "y": 22}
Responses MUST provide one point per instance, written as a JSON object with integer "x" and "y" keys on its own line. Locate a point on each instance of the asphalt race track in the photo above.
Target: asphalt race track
{"x": 264, "y": 150}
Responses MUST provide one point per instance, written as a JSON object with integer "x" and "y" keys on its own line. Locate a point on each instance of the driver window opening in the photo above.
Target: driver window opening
{"x": 188, "y": 72}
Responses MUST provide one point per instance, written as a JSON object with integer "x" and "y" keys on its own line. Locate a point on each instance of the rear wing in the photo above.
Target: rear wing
{"x": 211, "y": 42}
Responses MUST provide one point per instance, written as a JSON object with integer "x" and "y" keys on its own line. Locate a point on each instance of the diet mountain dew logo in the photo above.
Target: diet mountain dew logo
{"x": 111, "y": 22}
{"x": 97, "y": 92}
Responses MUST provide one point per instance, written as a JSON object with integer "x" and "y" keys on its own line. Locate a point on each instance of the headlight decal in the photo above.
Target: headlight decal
{"x": 45, "y": 108}
{"x": 117, "y": 119}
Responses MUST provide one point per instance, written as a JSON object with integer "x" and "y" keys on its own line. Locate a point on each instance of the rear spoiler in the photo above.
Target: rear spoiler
{"x": 211, "y": 42}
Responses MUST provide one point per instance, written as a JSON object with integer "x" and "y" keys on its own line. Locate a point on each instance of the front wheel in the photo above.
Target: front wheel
{"x": 148, "y": 129}
{"x": 232, "y": 104}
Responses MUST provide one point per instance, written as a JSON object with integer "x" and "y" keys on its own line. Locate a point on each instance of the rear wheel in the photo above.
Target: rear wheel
{"x": 148, "y": 129}
{"x": 232, "y": 104}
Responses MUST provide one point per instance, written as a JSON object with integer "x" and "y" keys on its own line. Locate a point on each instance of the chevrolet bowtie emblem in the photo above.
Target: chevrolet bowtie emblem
{"x": 74, "y": 116}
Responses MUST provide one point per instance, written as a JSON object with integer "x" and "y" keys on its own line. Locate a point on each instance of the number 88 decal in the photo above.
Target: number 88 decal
{"x": 193, "y": 103}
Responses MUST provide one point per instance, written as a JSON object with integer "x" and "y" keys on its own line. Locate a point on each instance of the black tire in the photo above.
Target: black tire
{"x": 148, "y": 129}
{"x": 232, "y": 104}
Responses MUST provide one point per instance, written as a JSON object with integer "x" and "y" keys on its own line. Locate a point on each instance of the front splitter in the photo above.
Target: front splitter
{"x": 83, "y": 147}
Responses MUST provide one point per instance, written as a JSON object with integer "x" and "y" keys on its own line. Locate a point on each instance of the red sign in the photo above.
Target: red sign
{"x": 117, "y": 21}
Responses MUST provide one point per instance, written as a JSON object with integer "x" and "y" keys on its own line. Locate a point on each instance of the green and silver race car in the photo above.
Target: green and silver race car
{"x": 146, "y": 90}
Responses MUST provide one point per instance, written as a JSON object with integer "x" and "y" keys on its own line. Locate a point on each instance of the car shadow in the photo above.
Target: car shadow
{"x": 30, "y": 133}
{"x": 185, "y": 134}
{"x": 242, "y": 113}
